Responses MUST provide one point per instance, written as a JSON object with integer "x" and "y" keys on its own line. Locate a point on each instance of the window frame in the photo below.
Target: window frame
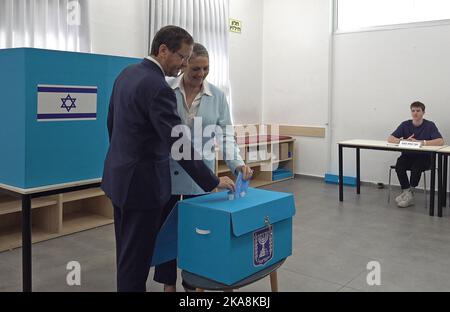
{"x": 336, "y": 31}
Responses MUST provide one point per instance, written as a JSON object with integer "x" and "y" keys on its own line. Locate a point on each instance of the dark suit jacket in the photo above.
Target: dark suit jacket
{"x": 142, "y": 112}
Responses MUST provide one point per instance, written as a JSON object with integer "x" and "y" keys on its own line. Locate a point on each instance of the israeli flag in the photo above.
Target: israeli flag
{"x": 61, "y": 103}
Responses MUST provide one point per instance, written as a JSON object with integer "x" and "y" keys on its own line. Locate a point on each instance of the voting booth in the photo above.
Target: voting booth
{"x": 53, "y": 110}
{"x": 228, "y": 240}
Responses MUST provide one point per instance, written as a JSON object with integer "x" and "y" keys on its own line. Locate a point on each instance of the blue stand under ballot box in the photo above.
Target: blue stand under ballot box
{"x": 53, "y": 111}
{"x": 228, "y": 240}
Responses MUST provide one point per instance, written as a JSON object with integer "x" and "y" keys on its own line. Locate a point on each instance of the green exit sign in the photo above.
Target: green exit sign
{"x": 235, "y": 26}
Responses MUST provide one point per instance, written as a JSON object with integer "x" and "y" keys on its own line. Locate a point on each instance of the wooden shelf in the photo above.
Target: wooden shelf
{"x": 282, "y": 160}
{"x": 225, "y": 169}
{"x": 58, "y": 215}
{"x": 222, "y": 169}
{"x": 11, "y": 238}
{"x": 259, "y": 182}
{"x": 258, "y": 163}
{"x": 83, "y": 194}
{"x": 81, "y": 221}
{"x": 266, "y": 143}
{"x": 10, "y": 204}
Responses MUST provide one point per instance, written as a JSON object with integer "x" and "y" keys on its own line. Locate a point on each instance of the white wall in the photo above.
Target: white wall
{"x": 119, "y": 27}
{"x": 377, "y": 75}
{"x": 246, "y": 61}
{"x": 279, "y": 73}
{"x": 284, "y": 43}
{"x": 295, "y": 73}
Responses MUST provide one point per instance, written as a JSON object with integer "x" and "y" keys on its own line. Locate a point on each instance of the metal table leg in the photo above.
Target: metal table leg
{"x": 26, "y": 243}
{"x": 432, "y": 183}
{"x": 439, "y": 185}
{"x": 444, "y": 181}
{"x": 358, "y": 172}
{"x": 341, "y": 175}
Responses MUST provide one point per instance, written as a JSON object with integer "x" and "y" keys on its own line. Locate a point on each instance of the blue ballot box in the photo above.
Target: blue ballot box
{"x": 53, "y": 111}
{"x": 229, "y": 240}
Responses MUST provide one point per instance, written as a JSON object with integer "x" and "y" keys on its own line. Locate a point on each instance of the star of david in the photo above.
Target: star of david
{"x": 68, "y": 98}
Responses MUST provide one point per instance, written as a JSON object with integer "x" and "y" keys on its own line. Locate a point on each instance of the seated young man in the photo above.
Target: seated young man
{"x": 417, "y": 129}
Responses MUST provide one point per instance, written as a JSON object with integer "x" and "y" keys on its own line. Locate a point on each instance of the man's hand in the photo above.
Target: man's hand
{"x": 227, "y": 183}
{"x": 411, "y": 138}
{"x": 394, "y": 140}
{"x": 247, "y": 172}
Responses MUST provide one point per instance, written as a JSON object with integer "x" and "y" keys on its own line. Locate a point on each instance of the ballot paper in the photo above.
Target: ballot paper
{"x": 241, "y": 188}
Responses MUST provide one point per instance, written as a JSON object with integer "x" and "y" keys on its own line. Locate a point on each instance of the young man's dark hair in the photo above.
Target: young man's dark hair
{"x": 418, "y": 104}
{"x": 173, "y": 37}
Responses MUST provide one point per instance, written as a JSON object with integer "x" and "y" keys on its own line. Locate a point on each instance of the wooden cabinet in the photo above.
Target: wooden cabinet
{"x": 53, "y": 216}
{"x": 267, "y": 159}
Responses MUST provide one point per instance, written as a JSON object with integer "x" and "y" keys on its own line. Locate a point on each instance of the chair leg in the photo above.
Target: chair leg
{"x": 425, "y": 188}
{"x": 274, "y": 281}
{"x": 389, "y": 186}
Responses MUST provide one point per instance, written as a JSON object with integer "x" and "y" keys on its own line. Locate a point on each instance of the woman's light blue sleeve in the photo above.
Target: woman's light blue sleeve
{"x": 229, "y": 147}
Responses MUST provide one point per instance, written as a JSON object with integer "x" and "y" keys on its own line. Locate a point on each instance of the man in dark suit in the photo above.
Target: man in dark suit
{"x": 136, "y": 177}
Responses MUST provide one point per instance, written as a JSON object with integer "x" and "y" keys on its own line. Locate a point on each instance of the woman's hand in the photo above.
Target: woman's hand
{"x": 247, "y": 172}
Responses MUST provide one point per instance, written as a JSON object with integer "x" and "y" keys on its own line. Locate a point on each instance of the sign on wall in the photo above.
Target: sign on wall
{"x": 61, "y": 103}
{"x": 235, "y": 26}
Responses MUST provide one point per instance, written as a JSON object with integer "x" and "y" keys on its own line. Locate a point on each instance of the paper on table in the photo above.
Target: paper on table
{"x": 410, "y": 144}
{"x": 391, "y": 144}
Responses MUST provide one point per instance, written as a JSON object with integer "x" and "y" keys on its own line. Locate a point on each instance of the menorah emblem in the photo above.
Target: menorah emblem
{"x": 262, "y": 246}
{"x": 262, "y": 240}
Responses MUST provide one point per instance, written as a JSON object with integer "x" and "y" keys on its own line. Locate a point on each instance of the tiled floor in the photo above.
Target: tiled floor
{"x": 332, "y": 245}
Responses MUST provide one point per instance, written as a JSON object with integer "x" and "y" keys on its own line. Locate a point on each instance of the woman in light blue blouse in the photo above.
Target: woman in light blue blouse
{"x": 198, "y": 100}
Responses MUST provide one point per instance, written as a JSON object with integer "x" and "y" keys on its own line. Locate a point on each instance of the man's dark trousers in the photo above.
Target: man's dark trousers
{"x": 416, "y": 163}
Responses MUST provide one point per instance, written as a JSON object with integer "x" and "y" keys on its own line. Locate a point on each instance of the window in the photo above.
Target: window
{"x": 47, "y": 24}
{"x": 360, "y": 14}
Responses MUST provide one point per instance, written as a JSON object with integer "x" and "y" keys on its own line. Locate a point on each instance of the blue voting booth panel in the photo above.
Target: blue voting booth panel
{"x": 229, "y": 240}
{"x": 51, "y": 151}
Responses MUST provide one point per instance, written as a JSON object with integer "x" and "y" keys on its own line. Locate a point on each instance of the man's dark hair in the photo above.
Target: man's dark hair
{"x": 418, "y": 104}
{"x": 173, "y": 37}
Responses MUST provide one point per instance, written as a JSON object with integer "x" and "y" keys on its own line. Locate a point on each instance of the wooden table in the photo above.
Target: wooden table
{"x": 383, "y": 146}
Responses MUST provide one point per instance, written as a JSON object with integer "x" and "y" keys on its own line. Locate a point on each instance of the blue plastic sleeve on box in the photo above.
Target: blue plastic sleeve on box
{"x": 166, "y": 241}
